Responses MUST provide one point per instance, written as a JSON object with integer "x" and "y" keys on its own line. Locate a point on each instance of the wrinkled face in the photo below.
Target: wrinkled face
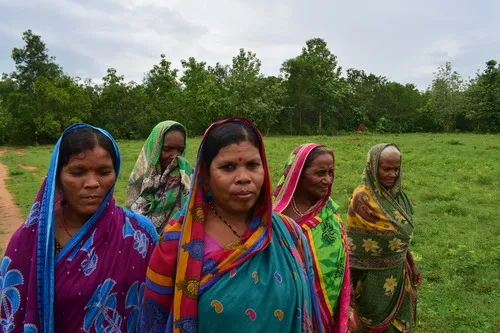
{"x": 316, "y": 180}
{"x": 236, "y": 177}
{"x": 86, "y": 180}
{"x": 173, "y": 146}
{"x": 388, "y": 169}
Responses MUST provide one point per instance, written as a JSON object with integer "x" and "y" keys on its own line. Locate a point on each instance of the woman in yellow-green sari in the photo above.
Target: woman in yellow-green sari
{"x": 379, "y": 228}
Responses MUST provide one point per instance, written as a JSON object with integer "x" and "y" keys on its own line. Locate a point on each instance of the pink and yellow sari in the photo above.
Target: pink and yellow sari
{"x": 327, "y": 242}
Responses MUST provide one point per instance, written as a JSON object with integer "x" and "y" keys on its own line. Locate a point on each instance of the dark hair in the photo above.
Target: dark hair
{"x": 80, "y": 140}
{"x": 225, "y": 135}
{"x": 315, "y": 153}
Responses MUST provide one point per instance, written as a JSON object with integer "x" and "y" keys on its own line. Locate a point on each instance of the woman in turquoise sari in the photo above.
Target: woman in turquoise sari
{"x": 226, "y": 262}
{"x": 303, "y": 193}
{"x": 159, "y": 184}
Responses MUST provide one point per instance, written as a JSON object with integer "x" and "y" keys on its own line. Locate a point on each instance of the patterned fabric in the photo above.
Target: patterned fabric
{"x": 94, "y": 284}
{"x": 380, "y": 228}
{"x": 152, "y": 193}
{"x": 327, "y": 242}
{"x": 262, "y": 285}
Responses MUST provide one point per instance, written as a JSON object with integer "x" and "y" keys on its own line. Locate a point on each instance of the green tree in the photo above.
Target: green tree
{"x": 483, "y": 97}
{"x": 398, "y": 107}
{"x": 7, "y": 87}
{"x": 33, "y": 61}
{"x": 120, "y": 106}
{"x": 58, "y": 104}
{"x": 359, "y": 105}
{"x": 201, "y": 96}
{"x": 315, "y": 89}
{"x": 446, "y": 97}
{"x": 163, "y": 91}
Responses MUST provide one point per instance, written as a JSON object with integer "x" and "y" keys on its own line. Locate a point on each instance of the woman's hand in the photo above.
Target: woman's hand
{"x": 416, "y": 277}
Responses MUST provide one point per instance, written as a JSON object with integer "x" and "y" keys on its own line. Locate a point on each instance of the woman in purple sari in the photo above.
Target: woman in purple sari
{"x": 78, "y": 263}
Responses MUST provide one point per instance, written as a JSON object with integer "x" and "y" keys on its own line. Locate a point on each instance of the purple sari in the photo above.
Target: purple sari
{"x": 96, "y": 282}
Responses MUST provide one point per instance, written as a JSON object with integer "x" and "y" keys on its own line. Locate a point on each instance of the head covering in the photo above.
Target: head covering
{"x": 380, "y": 228}
{"x": 327, "y": 241}
{"x": 373, "y": 207}
{"x": 151, "y": 192}
{"x": 187, "y": 292}
{"x": 102, "y": 262}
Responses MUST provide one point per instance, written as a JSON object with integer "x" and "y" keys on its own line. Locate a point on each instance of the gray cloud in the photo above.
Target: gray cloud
{"x": 403, "y": 40}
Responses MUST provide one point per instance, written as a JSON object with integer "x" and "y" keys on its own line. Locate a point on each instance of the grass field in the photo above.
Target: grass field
{"x": 454, "y": 181}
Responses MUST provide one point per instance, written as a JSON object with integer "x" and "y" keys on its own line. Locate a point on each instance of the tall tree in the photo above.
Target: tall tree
{"x": 201, "y": 96}
{"x": 163, "y": 90}
{"x": 33, "y": 61}
{"x": 315, "y": 88}
{"x": 484, "y": 99}
{"x": 446, "y": 98}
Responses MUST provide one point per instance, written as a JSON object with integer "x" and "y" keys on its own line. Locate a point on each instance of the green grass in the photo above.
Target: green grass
{"x": 454, "y": 181}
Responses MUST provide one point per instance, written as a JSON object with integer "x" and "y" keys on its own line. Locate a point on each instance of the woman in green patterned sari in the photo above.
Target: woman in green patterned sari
{"x": 379, "y": 228}
{"x": 159, "y": 184}
{"x": 303, "y": 193}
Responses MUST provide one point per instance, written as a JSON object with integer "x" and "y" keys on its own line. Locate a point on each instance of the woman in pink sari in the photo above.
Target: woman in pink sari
{"x": 303, "y": 193}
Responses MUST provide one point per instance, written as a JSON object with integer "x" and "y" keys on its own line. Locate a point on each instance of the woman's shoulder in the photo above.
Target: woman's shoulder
{"x": 24, "y": 238}
{"x": 282, "y": 221}
{"x": 282, "y": 218}
{"x": 332, "y": 205}
{"x": 142, "y": 223}
{"x": 184, "y": 165}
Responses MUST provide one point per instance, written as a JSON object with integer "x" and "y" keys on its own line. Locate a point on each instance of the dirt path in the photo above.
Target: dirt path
{"x": 10, "y": 215}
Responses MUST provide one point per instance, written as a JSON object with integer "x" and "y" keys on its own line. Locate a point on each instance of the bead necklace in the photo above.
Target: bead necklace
{"x": 224, "y": 221}
{"x": 295, "y": 209}
{"x": 65, "y": 226}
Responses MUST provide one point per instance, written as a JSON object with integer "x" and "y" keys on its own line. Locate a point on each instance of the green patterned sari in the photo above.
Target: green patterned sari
{"x": 327, "y": 242}
{"x": 379, "y": 229}
{"x": 151, "y": 192}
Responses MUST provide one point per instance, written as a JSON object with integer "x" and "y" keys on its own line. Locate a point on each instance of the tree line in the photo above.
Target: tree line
{"x": 312, "y": 95}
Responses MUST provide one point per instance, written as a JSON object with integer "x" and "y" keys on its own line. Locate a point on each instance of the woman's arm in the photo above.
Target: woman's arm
{"x": 160, "y": 280}
{"x": 416, "y": 276}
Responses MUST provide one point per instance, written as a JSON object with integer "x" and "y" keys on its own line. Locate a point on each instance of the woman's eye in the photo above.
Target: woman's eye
{"x": 253, "y": 165}
{"x": 227, "y": 167}
{"x": 105, "y": 172}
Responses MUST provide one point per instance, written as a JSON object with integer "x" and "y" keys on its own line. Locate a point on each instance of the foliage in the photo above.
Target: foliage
{"x": 311, "y": 96}
{"x": 446, "y": 99}
{"x": 484, "y": 99}
{"x": 314, "y": 89}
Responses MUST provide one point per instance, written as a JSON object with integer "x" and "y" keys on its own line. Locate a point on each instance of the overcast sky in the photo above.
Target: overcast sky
{"x": 404, "y": 40}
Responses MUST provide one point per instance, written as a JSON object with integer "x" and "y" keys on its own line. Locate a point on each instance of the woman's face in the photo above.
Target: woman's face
{"x": 316, "y": 180}
{"x": 388, "y": 169}
{"x": 86, "y": 180}
{"x": 173, "y": 146}
{"x": 236, "y": 176}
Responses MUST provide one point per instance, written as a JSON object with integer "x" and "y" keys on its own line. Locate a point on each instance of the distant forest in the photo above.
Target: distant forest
{"x": 312, "y": 95}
